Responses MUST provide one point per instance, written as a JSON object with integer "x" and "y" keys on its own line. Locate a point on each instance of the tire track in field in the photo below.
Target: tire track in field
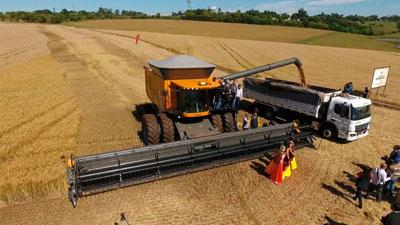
{"x": 16, "y": 52}
{"x": 105, "y": 113}
{"x": 383, "y": 104}
{"x": 10, "y": 153}
{"x": 238, "y": 58}
{"x": 231, "y": 55}
{"x": 235, "y": 55}
{"x": 34, "y": 117}
{"x": 174, "y": 51}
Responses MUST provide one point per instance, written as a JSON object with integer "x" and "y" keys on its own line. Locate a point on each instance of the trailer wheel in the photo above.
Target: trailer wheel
{"x": 228, "y": 122}
{"x": 328, "y": 132}
{"x": 216, "y": 121}
{"x": 150, "y": 129}
{"x": 167, "y": 128}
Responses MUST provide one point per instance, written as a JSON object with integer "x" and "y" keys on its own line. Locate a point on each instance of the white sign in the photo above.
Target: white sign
{"x": 380, "y": 77}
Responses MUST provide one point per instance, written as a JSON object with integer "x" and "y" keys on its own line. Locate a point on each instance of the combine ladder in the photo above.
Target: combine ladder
{"x": 93, "y": 174}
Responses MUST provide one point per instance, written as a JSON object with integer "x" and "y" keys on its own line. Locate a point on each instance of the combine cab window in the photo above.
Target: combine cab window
{"x": 193, "y": 101}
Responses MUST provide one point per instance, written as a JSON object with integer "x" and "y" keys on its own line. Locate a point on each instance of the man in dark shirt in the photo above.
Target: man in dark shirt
{"x": 362, "y": 184}
{"x": 255, "y": 120}
{"x": 392, "y": 218}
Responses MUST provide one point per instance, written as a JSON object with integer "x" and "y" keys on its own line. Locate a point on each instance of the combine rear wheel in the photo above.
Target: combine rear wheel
{"x": 150, "y": 129}
{"x": 216, "y": 121}
{"x": 228, "y": 122}
{"x": 167, "y": 128}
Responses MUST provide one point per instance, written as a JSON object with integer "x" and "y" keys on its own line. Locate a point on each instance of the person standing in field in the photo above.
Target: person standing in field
{"x": 394, "y": 156}
{"x": 394, "y": 170}
{"x": 366, "y": 93}
{"x": 234, "y": 89}
{"x": 218, "y": 95}
{"x": 226, "y": 93}
{"x": 392, "y": 218}
{"x": 246, "y": 123}
{"x": 348, "y": 88}
{"x": 255, "y": 120}
{"x": 238, "y": 97}
{"x": 275, "y": 167}
{"x": 290, "y": 155}
{"x": 137, "y": 38}
{"x": 378, "y": 179}
{"x": 362, "y": 184}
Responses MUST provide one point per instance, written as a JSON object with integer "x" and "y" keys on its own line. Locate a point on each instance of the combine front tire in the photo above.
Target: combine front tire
{"x": 150, "y": 129}
{"x": 228, "y": 122}
{"x": 167, "y": 128}
{"x": 216, "y": 121}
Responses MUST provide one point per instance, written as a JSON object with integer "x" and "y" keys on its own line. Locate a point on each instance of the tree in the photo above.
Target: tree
{"x": 2, "y": 17}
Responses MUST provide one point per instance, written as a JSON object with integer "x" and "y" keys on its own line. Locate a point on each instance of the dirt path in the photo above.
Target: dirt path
{"x": 103, "y": 76}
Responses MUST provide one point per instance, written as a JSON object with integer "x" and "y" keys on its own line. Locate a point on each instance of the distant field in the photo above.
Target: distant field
{"x": 346, "y": 40}
{"x": 208, "y": 29}
{"x": 247, "y": 32}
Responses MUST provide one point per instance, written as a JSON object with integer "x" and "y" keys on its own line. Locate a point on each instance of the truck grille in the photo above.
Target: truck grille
{"x": 362, "y": 127}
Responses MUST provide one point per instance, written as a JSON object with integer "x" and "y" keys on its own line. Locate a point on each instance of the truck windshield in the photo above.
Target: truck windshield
{"x": 359, "y": 113}
{"x": 193, "y": 101}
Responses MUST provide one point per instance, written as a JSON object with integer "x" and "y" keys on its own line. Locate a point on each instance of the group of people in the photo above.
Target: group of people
{"x": 283, "y": 163}
{"x": 382, "y": 179}
{"x": 348, "y": 89}
{"x": 253, "y": 121}
{"x": 228, "y": 95}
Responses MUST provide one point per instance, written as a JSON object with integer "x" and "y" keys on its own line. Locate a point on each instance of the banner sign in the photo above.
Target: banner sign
{"x": 380, "y": 77}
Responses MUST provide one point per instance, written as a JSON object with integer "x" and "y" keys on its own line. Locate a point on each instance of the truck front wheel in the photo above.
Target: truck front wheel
{"x": 329, "y": 132}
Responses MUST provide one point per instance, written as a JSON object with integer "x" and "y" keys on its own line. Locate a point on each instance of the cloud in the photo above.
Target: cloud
{"x": 332, "y": 2}
{"x": 291, "y": 6}
{"x": 288, "y": 6}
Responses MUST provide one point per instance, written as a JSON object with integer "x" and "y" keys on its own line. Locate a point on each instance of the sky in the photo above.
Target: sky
{"x": 346, "y": 7}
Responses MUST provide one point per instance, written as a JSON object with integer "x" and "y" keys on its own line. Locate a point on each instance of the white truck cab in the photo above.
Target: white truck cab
{"x": 348, "y": 118}
{"x": 329, "y": 111}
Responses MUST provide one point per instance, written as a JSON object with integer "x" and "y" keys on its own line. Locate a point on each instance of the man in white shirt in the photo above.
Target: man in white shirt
{"x": 378, "y": 179}
{"x": 238, "y": 96}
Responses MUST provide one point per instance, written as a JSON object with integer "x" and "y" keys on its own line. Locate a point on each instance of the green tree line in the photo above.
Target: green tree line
{"x": 47, "y": 16}
{"x": 336, "y": 22}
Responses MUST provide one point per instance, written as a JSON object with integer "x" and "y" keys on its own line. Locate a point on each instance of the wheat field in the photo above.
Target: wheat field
{"x": 66, "y": 90}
